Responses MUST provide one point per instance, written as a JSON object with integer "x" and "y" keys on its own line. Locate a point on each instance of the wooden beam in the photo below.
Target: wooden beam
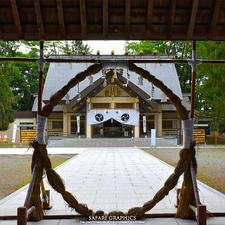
{"x": 16, "y": 18}
{"x": 172, "y": 10}
{"x": 192, "y": 19}
{"x": 86, "y": 92}
{"x": 39, "y": 18}
{"x": 132, "y": 93}
{"x": 83, "y": 19}
{"x": 61, "y": 19}
{"x": 105, "y": 19}
{"x": 138, "y": 91}
{"x": 96, "y": 59}
{"x": 127, "y": 18}
{"x": 149, "y": 18}
{"x": 214, "y": 18}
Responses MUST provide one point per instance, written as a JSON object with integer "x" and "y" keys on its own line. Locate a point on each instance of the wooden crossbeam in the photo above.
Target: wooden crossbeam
{"x": 61, "y": 19}
{"x": 191, "y": 25}
{"x": 105, "y": 19}
{"x": 86, "y": 92}
{"x": 39, "y": 18}
{"x": 138, "y": 92}
{"x": 214, "y": 19}
{"x": 16, "y": 18}
{"x": 127, "y": 18}
{"x": 172, "y": 11}
{"x": 149, "y": 18}
{"x": 96, "y": 59}
{"x": 83, "y": 19}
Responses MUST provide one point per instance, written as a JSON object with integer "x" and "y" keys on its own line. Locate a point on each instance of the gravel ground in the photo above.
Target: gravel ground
{"x": 211, "y": 164}
{"x": 15, "y": 171}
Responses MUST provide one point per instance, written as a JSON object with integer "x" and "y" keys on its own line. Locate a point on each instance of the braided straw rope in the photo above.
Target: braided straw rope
{"x": 174, "y": 99}
{"x": 56, "y": 98}
{"x": 41, "y": 158}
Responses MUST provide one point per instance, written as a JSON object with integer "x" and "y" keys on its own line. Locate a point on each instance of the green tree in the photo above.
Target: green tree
{"x": 6, "y": 101}
{"x": 52, "y": 48}
{"x": 74, "y": 47}
{"x": 210, "y": 96}
{"x": 175, "y": 49}
{"x": 23, "y": 77}
{"x": 210, "y": 84}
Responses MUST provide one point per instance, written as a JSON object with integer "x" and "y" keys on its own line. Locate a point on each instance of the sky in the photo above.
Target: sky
{"x": 105, "y": 47}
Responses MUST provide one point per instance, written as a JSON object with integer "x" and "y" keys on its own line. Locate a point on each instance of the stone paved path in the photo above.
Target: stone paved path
{"x": 115, "y": 179}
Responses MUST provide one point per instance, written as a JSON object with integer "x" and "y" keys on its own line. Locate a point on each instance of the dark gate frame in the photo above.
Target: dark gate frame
{"x": 25, "y": 212}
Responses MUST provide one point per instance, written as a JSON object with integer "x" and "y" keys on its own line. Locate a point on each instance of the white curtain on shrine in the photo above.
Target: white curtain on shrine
{"x": 124, "y": 116}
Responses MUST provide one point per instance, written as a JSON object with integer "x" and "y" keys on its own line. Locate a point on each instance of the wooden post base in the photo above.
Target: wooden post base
{"x": 201, "y": 215}
{"x": 22, "y": 216}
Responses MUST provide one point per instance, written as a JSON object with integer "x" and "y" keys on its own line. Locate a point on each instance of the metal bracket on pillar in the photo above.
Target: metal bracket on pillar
{"x": 41, "y": 61}
{"x": 194, "y": 63}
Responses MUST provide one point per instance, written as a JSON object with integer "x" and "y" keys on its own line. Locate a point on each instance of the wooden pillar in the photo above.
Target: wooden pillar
{"x": 38, "y": 213}
{"x": 194, "y": 68}
{"x": 159, "y": 133}
{"x": 88, "y": 127}
{"x": 65, "y": 121}
{"x": 88, "y": 131}
{"x": 189, "y": 192}
{"x": 155, "y": 124}
{"x": 22, "y": 216}
{"x": 41, "y": 72}
{"x": 136, "y": 131}
{"x": 69, "y": 124}
{"x": 65, "y": 133}
{"x": 201, "y": 215}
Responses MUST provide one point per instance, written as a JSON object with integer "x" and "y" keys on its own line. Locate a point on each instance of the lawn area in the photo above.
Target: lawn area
{"x": 15, "y": 171}
{"x": 211, "y": 164}
{"x": 13, "y": 145}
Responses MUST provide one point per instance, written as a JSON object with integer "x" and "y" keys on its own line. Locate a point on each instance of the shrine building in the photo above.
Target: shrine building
{"x": 112, "y": 103}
